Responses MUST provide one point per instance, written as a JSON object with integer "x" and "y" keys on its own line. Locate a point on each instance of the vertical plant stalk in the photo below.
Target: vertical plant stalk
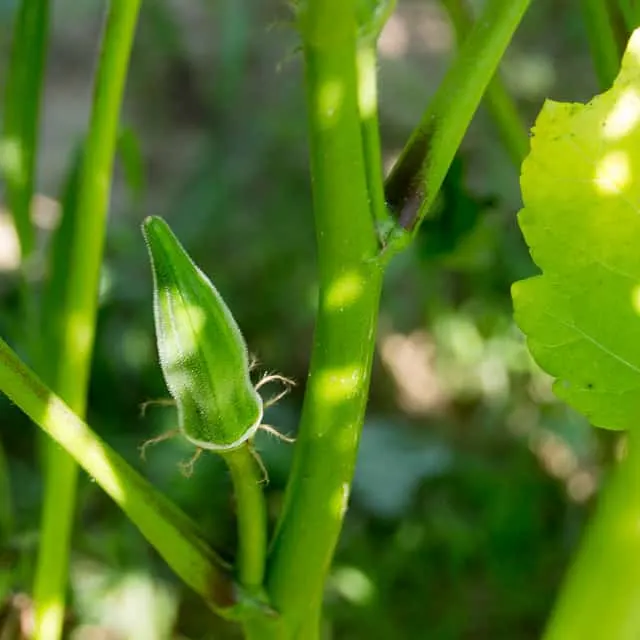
{"x": 601, "y": 592}
{"x": 246, "y": 476}
{"x": 21, "y": 114}
{"x": 501, "y": 106}
{"x": 6, "y": 503}
{"x": 602, "y": 40}
{"x": 413, "y": 184}
{"x": 367, "y": 69}
{"x": 6, "y": 524}
{"x": 18, "y": 147}
{"x": 318, "y": 488}
{"x": 79, "y": 308}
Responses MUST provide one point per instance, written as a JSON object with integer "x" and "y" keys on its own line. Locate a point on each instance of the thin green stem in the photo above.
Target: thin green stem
{"x": 602, "y": 589}
{"x": 78, "y": 309}
{"x": 19, "y": 144}
{"x": 501, "y": 106}
{"x": 167, "y": 528}
{"x": 368, "y": 107}
{"x": 602, "y": 40}
{"x": 318, "y": 488}
{"x": 6, "y": 501}
{"x": 250, "y": 565}
{"x": 57, "y": 518}
{"x": 18, "y": 148}
{"x": 246, "y": 475}
{"x": 416, "y": 178}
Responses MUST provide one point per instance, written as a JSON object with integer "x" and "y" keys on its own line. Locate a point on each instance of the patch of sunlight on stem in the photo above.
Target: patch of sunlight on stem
{"x": 79, "y": 333}
{"x": 367, "y": 94}
{"x": 635, "y": 298}
{"x": 613, "y": 173}
{"x": 12, "y": 160}
{"x": 338, "y": 384}
{"x": 51, "y": 614}
{"x": 330, "y": 98}
{"x": 340, "y": 501}
{"x": 343, "y": 290}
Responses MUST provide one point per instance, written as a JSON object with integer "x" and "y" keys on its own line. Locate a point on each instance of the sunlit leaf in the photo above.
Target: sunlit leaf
{"x": 581, "y": 220}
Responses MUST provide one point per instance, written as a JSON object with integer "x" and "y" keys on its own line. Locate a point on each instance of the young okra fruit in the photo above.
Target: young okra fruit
{"x": 203, "y": 355}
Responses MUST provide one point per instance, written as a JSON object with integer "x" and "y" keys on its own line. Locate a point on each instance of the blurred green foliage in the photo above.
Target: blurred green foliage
{"x": 473, "y": 481}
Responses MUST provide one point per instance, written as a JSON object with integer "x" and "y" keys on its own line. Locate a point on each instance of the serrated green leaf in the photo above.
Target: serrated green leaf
{"x": 581, "y": 220}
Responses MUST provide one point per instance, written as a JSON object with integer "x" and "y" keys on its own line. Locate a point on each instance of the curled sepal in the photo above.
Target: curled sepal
{"x": 203, "y": 355}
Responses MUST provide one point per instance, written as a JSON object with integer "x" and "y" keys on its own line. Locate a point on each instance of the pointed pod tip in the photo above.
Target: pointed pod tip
{"x": 163, "y": 246}
{"x": 150, "y": 222}
{"x": 158, "y": 236}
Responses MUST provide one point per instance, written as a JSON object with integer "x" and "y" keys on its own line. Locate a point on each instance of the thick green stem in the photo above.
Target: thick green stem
{"x": 602, "y": 589}
{"x": 416, "y": 178}
{"x": 602, "y": 40}
{"x": 246, "y": 475}
{"x": 78, "y": 310}
{"x": 168, "y": 529}
{"x": 501, "y": 106}
{"x": 318, "y": 489}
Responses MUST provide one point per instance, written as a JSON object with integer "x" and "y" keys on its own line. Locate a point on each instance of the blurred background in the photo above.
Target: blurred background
{"x": 473, "y": 482}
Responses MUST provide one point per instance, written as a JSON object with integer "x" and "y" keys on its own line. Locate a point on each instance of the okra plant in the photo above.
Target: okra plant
{"x": 580, "y": 316}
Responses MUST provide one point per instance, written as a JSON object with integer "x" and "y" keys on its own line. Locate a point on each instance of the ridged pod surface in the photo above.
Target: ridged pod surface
{"x": 202, "y": 352}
